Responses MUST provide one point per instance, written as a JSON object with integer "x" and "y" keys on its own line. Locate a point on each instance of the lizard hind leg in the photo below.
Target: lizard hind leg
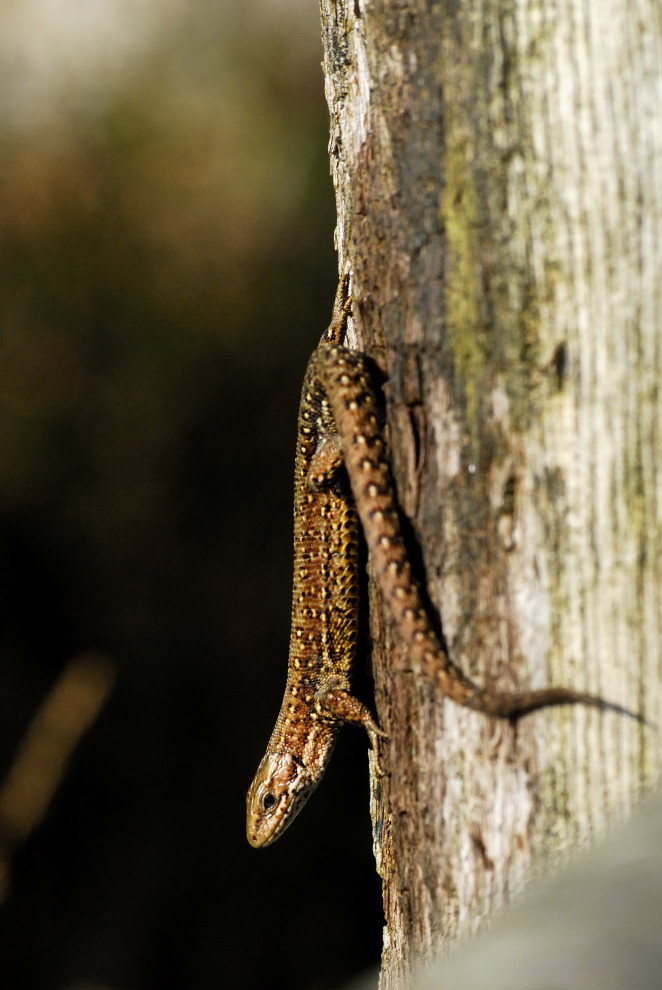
{"x": 325, "y": 463}
{"x": 342, "y": 305}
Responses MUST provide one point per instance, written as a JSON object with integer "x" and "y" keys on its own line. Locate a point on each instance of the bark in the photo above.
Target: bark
{"x": 497, "y": 174}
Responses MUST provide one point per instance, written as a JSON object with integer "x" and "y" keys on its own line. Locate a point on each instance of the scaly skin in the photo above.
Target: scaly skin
{"x": 342, "y": 475}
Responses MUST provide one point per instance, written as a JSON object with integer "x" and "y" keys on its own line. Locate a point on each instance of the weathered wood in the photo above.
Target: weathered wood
{"x": 497, "y": 174}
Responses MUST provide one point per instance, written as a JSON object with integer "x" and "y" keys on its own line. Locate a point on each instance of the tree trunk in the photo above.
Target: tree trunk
{"x": 497, "y": 173}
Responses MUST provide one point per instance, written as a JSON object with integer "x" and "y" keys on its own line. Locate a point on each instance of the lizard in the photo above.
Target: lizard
{"x": 343, "y": 481}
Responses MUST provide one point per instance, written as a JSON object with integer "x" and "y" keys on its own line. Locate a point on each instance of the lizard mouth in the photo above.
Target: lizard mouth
{"x": 281, "y": 787}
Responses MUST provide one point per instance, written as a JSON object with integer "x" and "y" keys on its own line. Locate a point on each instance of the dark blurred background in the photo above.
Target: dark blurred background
{"x": 166, "y": 267}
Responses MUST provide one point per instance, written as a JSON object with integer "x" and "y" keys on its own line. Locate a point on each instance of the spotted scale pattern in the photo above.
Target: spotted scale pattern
{"x": 342, "y": 477}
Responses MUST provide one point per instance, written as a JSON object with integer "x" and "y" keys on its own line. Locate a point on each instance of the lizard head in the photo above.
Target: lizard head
{"x": 281, "y": 787}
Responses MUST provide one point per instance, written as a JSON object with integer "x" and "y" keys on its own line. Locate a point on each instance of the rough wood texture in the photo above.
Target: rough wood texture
{"x": 594, "y": 925}
{"x": 497, "y": 173}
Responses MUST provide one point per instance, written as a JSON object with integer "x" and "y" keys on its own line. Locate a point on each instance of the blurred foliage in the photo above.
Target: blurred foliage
{"x": 167, "y": 266}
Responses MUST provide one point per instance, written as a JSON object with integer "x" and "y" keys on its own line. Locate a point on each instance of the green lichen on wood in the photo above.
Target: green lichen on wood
{"x": 492, "y": 306}
{"x": 459, "y": 214}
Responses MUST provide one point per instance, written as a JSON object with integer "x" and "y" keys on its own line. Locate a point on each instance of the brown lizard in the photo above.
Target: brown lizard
{"x": 342, "y": 475}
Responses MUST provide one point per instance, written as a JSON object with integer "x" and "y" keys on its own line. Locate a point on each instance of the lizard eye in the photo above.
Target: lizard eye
{"x": 268, "y": 801}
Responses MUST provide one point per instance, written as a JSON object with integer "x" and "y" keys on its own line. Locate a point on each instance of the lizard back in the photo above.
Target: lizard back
{"x": 342, "y": 475}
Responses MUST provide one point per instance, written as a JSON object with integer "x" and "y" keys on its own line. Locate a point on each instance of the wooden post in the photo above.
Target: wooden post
{"x": 497, "y": 174}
